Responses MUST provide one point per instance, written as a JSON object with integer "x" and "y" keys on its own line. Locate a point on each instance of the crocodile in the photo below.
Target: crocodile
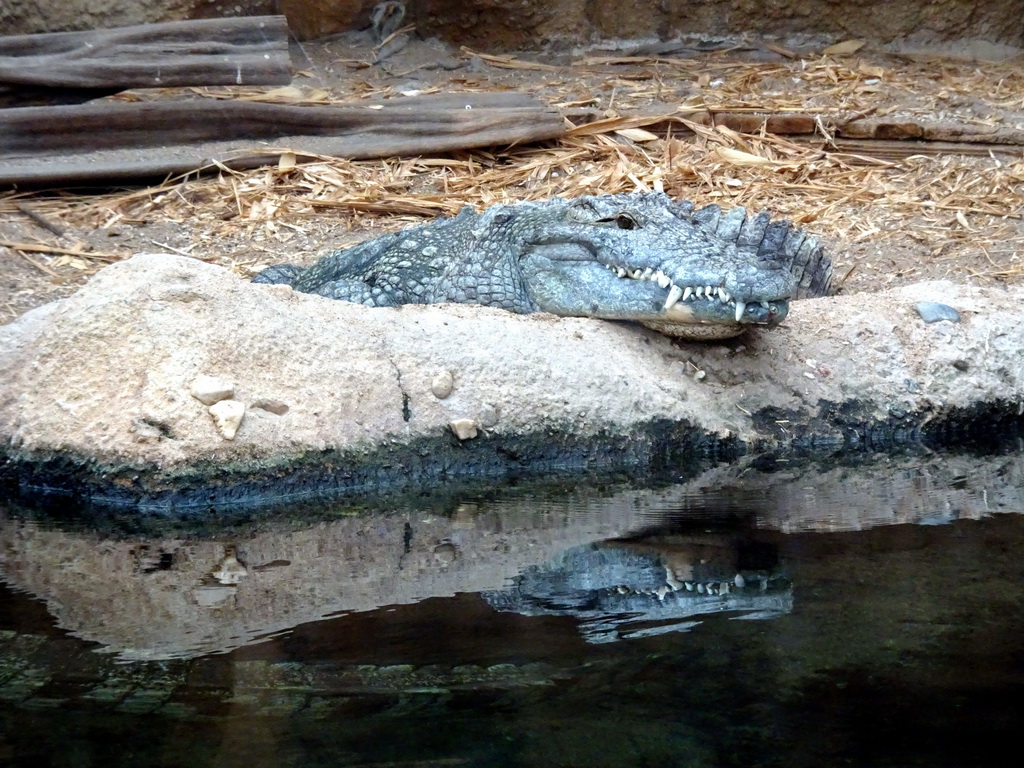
{"x": 682, "y": 270}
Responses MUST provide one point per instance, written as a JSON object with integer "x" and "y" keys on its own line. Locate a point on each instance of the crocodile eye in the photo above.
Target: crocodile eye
{"x": 625, "y": 221}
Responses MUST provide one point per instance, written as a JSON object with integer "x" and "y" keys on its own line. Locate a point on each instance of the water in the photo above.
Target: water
{"x": 760, "y": 614}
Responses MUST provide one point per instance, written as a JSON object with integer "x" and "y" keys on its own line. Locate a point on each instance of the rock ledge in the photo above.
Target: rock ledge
{"x": 97, "y": 389}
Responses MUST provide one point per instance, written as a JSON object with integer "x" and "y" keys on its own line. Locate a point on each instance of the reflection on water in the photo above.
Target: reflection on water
{"x": 759, "y": 614}
{"x": 646, "y": 586}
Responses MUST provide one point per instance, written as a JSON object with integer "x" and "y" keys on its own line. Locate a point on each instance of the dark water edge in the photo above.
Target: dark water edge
{"x": 431, "y": 464}
{"x": 896, "y": 639}
{"x": 422, "y": 465}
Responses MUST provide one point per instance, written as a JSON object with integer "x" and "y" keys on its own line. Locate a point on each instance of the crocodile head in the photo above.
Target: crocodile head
{"x": 646, "y": 258}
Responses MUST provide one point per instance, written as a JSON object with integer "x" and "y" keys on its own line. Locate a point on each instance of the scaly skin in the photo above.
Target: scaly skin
{"x": 640, "y": 257}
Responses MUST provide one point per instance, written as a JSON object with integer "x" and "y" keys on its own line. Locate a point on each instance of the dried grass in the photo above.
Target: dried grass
{"x": 946, "y": 203}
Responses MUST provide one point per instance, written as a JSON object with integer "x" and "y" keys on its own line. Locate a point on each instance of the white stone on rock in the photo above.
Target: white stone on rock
{"x": 210, "y": 389}
{"x": 464, "y": 429}
{"x": 227, "y": 416}
{"x": 442, "y": 384}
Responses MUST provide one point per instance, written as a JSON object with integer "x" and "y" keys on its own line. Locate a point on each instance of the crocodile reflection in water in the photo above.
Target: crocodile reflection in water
{"x": 627, "y": 589}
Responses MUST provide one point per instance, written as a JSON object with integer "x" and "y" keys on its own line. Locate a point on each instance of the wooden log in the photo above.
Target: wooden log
{"x": 237, "y": 51}
{"x": 95, "y": 143}
{"x": 780, "y": 123}
{"x": 887, "y": 135}
{"x": 898, "y": 149}
{"x": 888, "y": 129}
{"x": 589, "y": 121}
{"x": 92, "y": 127}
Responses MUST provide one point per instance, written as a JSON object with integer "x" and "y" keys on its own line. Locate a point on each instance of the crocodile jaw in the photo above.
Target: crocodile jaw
{"x": 690, "y": 321}
{"x": 583, "y": 287}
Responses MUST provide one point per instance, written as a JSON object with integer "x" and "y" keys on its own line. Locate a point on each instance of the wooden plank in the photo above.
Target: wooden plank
{"x": 898, "y": 149}
{"x": 96, "y": 143}
{"x": 589, "y": 121}
{"x": 236, "y": 51}
{"x": 891, "y": 139}
{"x": 780, "y": 123}
{"x": 109, "y": 125}
{"x": 889, "y": 129}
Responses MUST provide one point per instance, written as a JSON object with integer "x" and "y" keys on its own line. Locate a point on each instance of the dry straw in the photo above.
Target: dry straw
{"x": 955, "y": 208}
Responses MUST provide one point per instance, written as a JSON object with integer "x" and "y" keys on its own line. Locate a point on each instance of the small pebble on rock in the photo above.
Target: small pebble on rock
{"x": 464, "y": 429}
{"x": 209, "y": 389}
{"x": 227, "y": 416}
{"x": 932, "y": 312}
{"x": 442, "y": 385}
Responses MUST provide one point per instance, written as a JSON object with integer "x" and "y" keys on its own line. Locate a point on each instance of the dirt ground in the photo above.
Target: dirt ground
{"x": 889, "y": 218}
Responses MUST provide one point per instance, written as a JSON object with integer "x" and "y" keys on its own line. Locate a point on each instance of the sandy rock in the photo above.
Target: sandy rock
{"x": 339, "y": 377}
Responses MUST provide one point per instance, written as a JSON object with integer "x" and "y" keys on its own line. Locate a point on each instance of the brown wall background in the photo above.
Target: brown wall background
{"x": 508, "y": 25}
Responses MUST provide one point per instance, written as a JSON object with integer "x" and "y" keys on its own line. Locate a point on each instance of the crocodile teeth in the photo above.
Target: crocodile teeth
{"x": 648, "y": 273}
{"x": 663, "y": 279}
{"x": 741, "y": 307}
{"x": 670, "y": 579}
{"x": 700, "y": 292}
{"x": 708, "y": 291}
{"x": 637, "y": 274}
{"x": 687, "y": 293}
{"x": 723, "y": 295}
{"x": 764, "y": 305}
{"x": 620, "y": 272}
{"x": 673, "y": 296}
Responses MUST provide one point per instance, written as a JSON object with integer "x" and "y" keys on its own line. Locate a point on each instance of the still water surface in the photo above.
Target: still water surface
{"x": 754, "y": 615}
